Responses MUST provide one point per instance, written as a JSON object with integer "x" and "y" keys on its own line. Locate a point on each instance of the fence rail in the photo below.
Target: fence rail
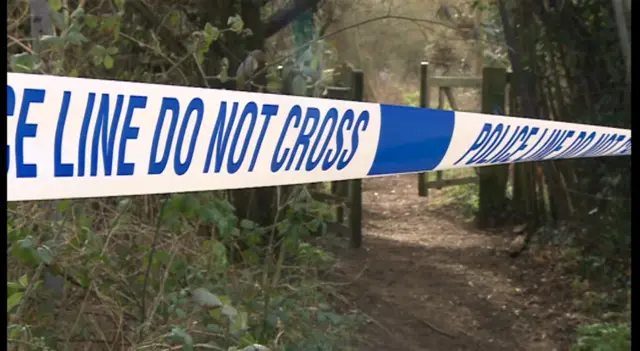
{"x": 455, "y": 82}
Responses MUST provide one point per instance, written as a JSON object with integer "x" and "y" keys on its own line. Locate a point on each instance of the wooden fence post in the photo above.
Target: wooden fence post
{"x": 423, "y": 189}
{"x": 355, "y": 193}
{"x": 339, "y": 188}
{"x": 441, "y": 96}
{"x": 492, "y": 179}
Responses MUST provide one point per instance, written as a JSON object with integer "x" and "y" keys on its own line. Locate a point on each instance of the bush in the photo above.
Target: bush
{"x": 109, "y": 272}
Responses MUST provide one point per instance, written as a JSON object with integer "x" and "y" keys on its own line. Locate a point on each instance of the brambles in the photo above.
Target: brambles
{"x": 103, "y": 250}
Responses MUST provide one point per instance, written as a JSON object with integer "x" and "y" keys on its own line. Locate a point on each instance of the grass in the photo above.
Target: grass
{"x": 461, "y": 198}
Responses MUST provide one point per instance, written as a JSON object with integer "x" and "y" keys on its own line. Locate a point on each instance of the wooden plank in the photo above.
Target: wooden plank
{"x": 451, "y": 98}
{"x": 438, "y": 184}
{"x": 338, "y": 93}
{"x": 455, "y": 82}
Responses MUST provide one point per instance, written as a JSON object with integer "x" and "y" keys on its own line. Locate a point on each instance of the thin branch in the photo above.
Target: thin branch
{"x": 167, "y": 36}
{"x": 16, "y": 41}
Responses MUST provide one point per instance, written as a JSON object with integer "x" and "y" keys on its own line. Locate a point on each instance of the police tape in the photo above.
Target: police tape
{"x": 79, "y": 138}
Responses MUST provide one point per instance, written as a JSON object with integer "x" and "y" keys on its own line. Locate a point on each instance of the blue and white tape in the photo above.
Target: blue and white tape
{"x": 78, "y": 138}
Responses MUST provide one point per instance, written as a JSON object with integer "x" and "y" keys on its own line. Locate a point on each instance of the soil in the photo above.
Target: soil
{"x": 427, "y": 280}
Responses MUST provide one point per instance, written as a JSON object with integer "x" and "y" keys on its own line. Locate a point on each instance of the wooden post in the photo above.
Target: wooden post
{"x": 440, "y": 107}
{"x": 492, "y": 179}
{"x": 339, "y": 188}
{"x": 355, "y": 193}
{"x": 423, "y": 178}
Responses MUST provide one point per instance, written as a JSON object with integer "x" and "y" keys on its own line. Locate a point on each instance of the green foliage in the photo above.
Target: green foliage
{"x": 603, "y": 337}
{"x": 177, "y": 271}
{"x": 235, "y": 23}
{"x": 191, "y": 277}
{"x": 23, "y": 62}
{"x": 462, "y": 197}
{"x": 412, "y": 99}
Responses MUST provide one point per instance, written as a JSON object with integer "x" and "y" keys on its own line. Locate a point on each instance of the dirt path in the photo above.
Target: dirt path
{"x": 428, "y": 281}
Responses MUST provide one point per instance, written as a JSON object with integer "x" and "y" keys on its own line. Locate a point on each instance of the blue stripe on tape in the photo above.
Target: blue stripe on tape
{"x": 411, "y": 139}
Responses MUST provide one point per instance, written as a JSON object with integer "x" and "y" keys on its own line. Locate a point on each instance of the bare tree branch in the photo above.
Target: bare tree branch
{"x": 623, "y": 33}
